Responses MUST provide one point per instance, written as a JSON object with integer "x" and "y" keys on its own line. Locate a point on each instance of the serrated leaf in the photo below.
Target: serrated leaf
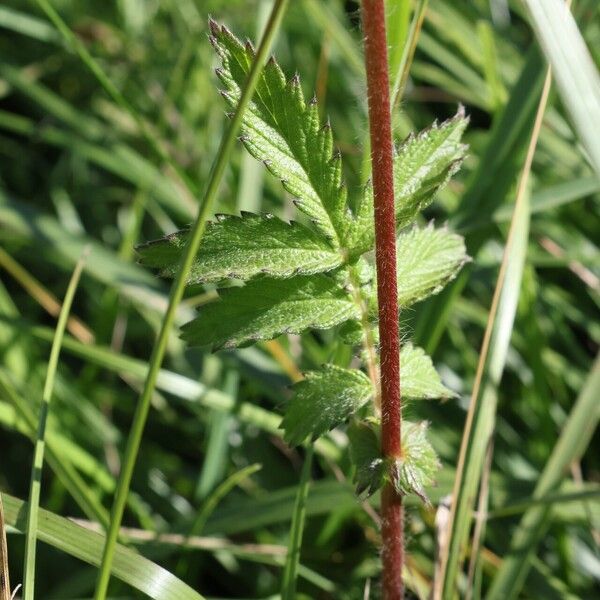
{"x": 416, "y": 470}
{"x": 365, "y": 452}
{"x": 427, "y": 260}
{"x": 420, "y": 380}
{"x": 243, "y": 247}
{"x": 284, "y": 131}
{"x": 265, "y": 308}
{"x": 324, "y": 400}
{"x": 423, "y": 164}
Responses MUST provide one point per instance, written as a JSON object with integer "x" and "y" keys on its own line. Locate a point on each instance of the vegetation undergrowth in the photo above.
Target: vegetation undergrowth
{"x": 318, "y": 274}
{"x": 259, "y": 470}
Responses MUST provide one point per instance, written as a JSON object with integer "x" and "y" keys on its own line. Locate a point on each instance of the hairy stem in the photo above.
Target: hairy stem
{"x": 378, "y": 87}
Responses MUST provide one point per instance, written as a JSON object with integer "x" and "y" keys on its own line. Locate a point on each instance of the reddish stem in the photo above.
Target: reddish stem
{"x": 378, "y": 86}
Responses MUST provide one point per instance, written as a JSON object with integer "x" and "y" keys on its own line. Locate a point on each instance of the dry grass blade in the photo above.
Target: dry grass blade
{"x": 43, "y": 297}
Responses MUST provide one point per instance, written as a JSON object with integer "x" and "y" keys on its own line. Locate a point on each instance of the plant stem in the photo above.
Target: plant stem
{"x": 158, "y": 352}
{"x": 378, "y": 86}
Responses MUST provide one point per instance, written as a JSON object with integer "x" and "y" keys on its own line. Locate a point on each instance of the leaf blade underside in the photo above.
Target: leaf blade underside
{"x": 284, "y": 131}
{"x": 420, "y": 380}
{"x": 324, "y": 400}
{"x": 244, "y": 247}
{"x": 427, "y": 260}
{"x": 265, "y": 308}
{"x": 423, "y": 164}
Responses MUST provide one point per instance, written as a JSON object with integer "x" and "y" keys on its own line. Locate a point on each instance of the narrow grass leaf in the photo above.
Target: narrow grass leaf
{"x": 324, "y": 16}
{"x": 488, "y": 187}
{"x": 86, "y": 545}
{"x": 290, "y": 571}
{"x": 38, "y": 460}
{"x": 574, "y": 439}
{"x": 210, "y": 503}
{"x": 482, "y": 410}
{"x": 61, "y": 454}
{"x": 160, "y": 348}
{"x": 573, "y": 69}
{"x": 25, "y": 24}
{"x": 4, "y": 577}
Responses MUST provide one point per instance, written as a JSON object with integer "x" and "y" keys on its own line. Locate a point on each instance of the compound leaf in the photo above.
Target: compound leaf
{"x": 243, "y": 247}
{"x": 365, "y": 452}
{"x": 423, "y": 164}
{"x": 284, "y": 131}
{"x": 420, "y": 380}
{"x": 265, "y": 308}
{"x": 419, "y": 464}
{"x": 324, "y": 400}
{"x": 427, "y": 260}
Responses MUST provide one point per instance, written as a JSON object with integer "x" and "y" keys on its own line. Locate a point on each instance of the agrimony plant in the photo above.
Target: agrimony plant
{"x": 318, "y": 273}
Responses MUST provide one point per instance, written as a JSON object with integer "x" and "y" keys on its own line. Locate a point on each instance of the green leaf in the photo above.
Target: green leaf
{"x": 573, "y": 69}
{"x": 419, "y": 377}
{"x": 243, "y": 247}
{"x": 576, "y": 434}
{"x": 284, "y": 131}
{"x": 427, "y": 260}
{"x": 365, "y": 452}
{"x": 265, "y": 308}
{"x": 423, "y": 164}
{"x": 324, "y": 400}
{"x": 74, "y": 540}
{"x": 419, "y": 464}
{"x": 481, "y": 418}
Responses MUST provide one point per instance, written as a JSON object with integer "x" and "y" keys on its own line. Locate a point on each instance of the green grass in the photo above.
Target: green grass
{"x": 109, "y": 127}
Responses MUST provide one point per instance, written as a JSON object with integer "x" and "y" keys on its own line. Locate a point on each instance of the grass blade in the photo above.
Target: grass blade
{"x": 290, "y": 572}
{"x": 325, "y": 18}
{"x": 43, "y": 297}
{"x": 27, "y": 25}
{"x": 38, "y": 461}
{"x": 482, "y": 410}
{"x": 4, "y": 578}
{"x": 576, "y": 435}
{"x": 209, "y": 505}
{"x": 177, "y": 289}
{"x": 86, "y": 545}
{"x": 403, "y": 68}
{"x": 75, "y": 43}
{"x": 573, "y": 68}
{"x": 61, "y": 462}
{"x": 487, "y": 189}
{"x": 481, "y": 416}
